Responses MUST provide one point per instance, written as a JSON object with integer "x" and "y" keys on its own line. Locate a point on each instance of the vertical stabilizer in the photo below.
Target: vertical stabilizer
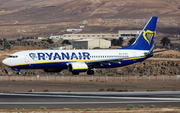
{"x": 145, "y": 39}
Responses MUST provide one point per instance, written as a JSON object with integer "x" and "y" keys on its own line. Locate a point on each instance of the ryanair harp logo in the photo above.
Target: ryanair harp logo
{"x": 32, "y": 55}
{"x": 148, "y": 35}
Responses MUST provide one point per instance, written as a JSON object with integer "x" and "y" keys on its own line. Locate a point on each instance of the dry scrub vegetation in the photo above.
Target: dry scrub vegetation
{"x": 43, "y": 109}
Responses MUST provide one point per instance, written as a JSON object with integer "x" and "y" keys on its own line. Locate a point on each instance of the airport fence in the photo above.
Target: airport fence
{"x": 92, "y": 78}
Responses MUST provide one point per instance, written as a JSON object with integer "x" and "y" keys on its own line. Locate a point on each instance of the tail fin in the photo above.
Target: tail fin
{"x": 145, "y": 39}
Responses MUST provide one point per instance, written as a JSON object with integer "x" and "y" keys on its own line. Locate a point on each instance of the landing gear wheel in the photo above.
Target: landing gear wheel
{"x": 90, "y": 72}
{"x": 19, "y": 73}
{"x": 75, "y": 73}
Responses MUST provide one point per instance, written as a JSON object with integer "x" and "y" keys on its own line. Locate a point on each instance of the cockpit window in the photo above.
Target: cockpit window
{"x": 13, "y": 56}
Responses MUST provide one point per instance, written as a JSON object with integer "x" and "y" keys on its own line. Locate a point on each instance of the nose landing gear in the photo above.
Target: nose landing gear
{"x": 19, "y": 73}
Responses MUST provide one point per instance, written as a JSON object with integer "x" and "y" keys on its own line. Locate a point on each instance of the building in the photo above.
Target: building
{"x": 40, "y": 38}
{"x": 74, "y": 30}
{"x": 121, "y": 33}
{"x": 91, "y": 43}
{"x": 87, "y": 36}
{"x": 129, "y": 33}
{"x": 55, "y": 37}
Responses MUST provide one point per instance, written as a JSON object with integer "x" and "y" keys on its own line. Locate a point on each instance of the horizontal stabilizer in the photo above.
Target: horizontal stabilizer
{"x": 151, "y": 51}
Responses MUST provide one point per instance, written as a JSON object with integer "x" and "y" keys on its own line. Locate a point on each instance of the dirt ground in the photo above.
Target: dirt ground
{"x": 96, "y": 110}
{"x": 88, "y": 86}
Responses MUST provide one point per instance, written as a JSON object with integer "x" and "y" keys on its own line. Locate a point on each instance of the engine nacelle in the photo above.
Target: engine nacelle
{"x": 77, "y": 67}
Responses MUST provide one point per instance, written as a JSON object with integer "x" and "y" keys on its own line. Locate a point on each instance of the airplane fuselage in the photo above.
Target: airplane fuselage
{"x": 50, "y": 59}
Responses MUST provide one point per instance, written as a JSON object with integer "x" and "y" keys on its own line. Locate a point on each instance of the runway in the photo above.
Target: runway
{"x": 88, "y": 99}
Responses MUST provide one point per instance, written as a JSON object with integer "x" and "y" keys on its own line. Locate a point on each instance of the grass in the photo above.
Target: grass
{"x": 141, "y": 106}
{"x": 152, "y": 106}
{"x": 169, "y": 106}
{"x": 42, "y": 107}
{"x": 129, "y": 107}
{"x": 101, "y": 108}
{"x": 88, "y": 109}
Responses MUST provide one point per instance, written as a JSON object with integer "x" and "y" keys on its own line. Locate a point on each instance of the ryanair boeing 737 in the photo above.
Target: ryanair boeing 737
{"x": 77, "y": 61}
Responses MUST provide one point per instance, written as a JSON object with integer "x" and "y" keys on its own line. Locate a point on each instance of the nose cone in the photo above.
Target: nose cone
{"x": 5, "y": 62}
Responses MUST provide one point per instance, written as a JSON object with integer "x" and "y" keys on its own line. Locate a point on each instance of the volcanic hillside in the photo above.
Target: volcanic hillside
{"x": 34, "y": 17}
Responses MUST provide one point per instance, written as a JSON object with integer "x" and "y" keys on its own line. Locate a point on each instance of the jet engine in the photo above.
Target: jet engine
{"x": 77, "y": 67}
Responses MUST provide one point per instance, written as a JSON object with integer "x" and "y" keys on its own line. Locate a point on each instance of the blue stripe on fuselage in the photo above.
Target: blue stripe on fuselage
{"x": 122, "y": 63}
{"x": 63, "y": 65}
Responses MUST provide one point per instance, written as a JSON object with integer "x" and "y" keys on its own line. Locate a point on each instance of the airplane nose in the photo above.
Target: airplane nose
{"x": 5, "y": 62}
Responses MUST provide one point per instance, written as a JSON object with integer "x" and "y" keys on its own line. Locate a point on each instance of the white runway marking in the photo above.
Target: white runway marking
{"x": 98, "y": 97}
{"x": 43, "y": 103}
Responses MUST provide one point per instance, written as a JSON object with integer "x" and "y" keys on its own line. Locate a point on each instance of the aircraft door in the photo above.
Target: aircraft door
{"x": 134, "y": 55}
{"x": 26, "y": 57}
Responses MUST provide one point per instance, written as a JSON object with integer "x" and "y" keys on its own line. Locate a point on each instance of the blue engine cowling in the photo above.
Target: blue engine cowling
{"x": 78, "y": 67}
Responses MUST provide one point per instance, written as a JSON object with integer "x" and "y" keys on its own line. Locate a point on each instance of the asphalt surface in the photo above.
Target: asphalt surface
{"x": 88, "y": 100}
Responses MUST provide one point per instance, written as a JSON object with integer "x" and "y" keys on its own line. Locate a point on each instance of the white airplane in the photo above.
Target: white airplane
{"x": 77, "y": 61}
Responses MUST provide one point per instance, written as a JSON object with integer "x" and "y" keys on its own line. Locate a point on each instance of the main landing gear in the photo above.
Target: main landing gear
{"x": 75, "y": 73}
{"x": 90, "y": 72}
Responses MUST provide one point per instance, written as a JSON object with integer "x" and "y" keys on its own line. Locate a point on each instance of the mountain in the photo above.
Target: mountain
{"x": 37, "y": 17}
